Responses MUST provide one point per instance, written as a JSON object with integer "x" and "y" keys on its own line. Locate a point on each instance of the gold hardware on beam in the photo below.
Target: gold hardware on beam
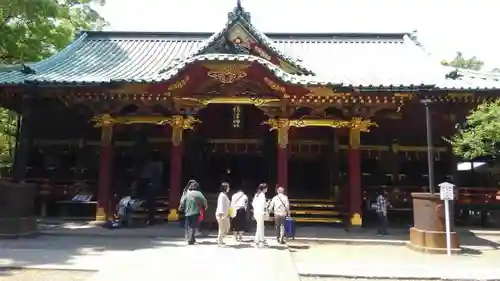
{"x": 103, "y": 120}
{"x": 274, "y": 86}
{"x": 258, "y": 101}
{"x": 226, "y": 73}
{"x": 185, "y": 123}
{"x": 179, "y": 84}
{"x": 107, "y": 119}
{"x": 404, "y": 95}
{"x": 460, "y": 95}
{"x": 129, "y": 120}
{"x": 180, "y": 123}
{"x": 357, "y": 123}
{"x": 301, "y": 123}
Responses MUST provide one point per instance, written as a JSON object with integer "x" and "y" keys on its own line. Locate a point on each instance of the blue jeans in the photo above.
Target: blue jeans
{"x": 191, "y": 224}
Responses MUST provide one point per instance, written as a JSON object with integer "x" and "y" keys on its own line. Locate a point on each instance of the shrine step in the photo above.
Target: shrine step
{"x": 322, "y": 211}
{"x": 162, "y": 210}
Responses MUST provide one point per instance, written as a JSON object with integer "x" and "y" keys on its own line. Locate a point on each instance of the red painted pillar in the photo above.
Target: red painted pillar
{"x": 104, "y": 211}
{"x": 177, "y": 125}
{"x": 282, "y": 155}
{"x": 355, "y": 189}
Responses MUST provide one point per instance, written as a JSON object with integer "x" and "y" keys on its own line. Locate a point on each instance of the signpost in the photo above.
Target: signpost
{"x": 446, "y": 192}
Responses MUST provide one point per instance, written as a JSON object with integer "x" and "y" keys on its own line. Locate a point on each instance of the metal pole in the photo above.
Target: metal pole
{"x": 430, "y": 154}
{"x": 448, "y": 233}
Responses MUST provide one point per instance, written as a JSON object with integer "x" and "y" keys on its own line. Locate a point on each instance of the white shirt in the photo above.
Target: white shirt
{"x": 223, "y": 204}
{"x": 239, "y": 200}
{"x": 280, "y": 205}
{"x": 259, "y": 204}
{"x": 122, "y": 205}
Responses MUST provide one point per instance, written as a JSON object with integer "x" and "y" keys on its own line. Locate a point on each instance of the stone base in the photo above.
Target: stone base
{"x": 18, "y": 227}
{"x": 432, "y": 242}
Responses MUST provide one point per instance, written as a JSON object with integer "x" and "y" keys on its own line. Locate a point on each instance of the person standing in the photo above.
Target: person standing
{"x": 239, "y": 203}
{"x": 222, "y": 213}
{"x": 381, "y": 206}
{"x": 260, "y": 213}
{"x": 150, "y": 182}
{"x": 280, "y": 206}
{"x": 192, "y": 203}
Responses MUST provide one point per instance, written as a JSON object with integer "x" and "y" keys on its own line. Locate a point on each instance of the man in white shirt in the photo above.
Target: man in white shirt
{"x": 280, "y": 206}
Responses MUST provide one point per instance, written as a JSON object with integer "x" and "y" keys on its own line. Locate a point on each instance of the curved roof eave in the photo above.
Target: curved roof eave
{"x": 275, "y": 70}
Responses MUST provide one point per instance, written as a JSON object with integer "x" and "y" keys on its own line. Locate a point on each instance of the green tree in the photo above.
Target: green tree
{"x": 460, "y": 61}
{"x": 32, "y": 30}
{"x": 480, "y": 135}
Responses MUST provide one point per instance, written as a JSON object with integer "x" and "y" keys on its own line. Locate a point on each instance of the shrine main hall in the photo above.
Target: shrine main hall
{"x": 331, "y": 117}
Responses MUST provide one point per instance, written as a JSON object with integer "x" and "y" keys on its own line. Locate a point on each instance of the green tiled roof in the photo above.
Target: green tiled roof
{"x": 366, "y": 61}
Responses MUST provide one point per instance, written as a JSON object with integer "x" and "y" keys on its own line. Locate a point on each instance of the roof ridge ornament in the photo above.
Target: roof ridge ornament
{"x": 238, "y": 12}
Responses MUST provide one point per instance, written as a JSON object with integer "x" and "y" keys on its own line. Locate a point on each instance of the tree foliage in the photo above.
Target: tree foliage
{"x": 32, "y": 30}
{"x": 460, "y": 61}
{"x": 480, "y": 135}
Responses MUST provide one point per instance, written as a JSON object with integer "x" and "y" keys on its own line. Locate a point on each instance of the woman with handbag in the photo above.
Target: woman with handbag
{"x": 222, "y": 213}
{"x": 260, "y": 214}
{"x": 238, "y": 213}
{"x": 193, "y": 204}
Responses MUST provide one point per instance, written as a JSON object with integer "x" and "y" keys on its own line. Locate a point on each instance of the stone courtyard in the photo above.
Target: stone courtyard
{"x": 72, "y": 251}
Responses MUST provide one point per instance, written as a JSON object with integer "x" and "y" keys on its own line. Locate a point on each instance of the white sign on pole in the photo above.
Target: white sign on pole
{"x": 446, "y": 192}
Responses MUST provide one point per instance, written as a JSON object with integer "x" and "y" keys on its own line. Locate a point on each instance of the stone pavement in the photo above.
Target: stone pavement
{"x": 393, "y": 262}
{"x": 205, "y": 262}
{"x": 121, "y": 257}
{"x": 133, "y": 258}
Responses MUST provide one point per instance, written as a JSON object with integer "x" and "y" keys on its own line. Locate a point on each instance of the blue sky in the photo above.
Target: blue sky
{"x": 444, "y": 26}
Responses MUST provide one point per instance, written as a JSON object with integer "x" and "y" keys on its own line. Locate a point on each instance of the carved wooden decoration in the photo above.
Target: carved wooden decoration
{"x": 226, "y": 73}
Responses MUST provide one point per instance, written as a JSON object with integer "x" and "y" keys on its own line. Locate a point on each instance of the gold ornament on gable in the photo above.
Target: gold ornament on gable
{"x": 274, "y": 86}
{"x": 179, "y": 84}
{"x": 227, "y": 73}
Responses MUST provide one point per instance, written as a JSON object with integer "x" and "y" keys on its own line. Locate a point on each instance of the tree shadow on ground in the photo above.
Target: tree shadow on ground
{"x": 73, "y": 252}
